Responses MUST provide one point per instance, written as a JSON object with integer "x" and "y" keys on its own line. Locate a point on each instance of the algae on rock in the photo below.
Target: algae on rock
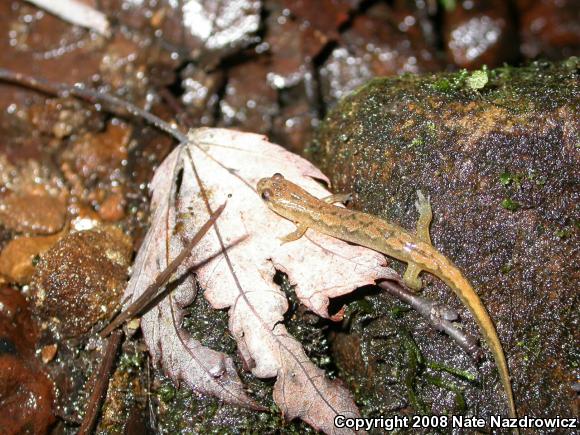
{"x": 498, "y": 153}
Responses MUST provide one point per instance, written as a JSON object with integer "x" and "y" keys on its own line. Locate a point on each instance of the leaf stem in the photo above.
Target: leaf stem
{"x": 79, "y": 90}
{"x": 435, "y": 314}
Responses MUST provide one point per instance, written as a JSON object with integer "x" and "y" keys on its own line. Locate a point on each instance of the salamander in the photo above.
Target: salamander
{"x": 306, "y": 211}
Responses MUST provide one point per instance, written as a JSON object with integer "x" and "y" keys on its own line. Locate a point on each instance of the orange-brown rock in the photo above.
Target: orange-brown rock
{"x": 100, "y": 156}
{"x": 80, "y": 280}
{"x": 32, "y": 213}
{"x": 18, "y": 256}
{"x": 113, "y": 208}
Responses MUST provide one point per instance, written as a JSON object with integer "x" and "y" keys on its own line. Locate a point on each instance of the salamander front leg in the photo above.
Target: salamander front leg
{"x": 338, "y": 197}
{"x": 411, "y": 275}
{"x": 294, "y": 235}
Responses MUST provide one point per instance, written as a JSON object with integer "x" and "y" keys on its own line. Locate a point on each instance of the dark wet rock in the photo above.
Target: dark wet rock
{"x": 27, "y": 397}
{"x": 26, "y": 393}
{"x": 324, "y": 19}
{"x": 290, "y": 50}
{"x": 71, "y": 369}
{"x": 297, "y": 33}
{"x": 17, "y": 329}
{"x": 21, "y": 175}
{"x": 277, "y": 93}
{"x": 42, "y": 45}
{"x": 249, "y": 101}
{"x": 48, "y": 352}
{"x": 296, "y": 121}
{"x": 549, "y": 28}
{"x": 497, "y": 153}
{"x": 480, "y": 32}
{"x": 122, "y": 66}
{"x": 112, "y": 208}
{"x": 17, "y": 148}
{"x": 38, "y": 43}
{"x": 201, "y": 93}
{"x": 32, "y": 213}
{"x": 415, "y": 18}
{"x": 136, "y": 67}
{"x": 206, "y": 30}
{"x": 79, "y": 281}
{"x": 372, "y": 46}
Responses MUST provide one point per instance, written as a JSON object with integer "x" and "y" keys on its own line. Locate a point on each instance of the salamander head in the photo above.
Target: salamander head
{"x": 284, "y": 197}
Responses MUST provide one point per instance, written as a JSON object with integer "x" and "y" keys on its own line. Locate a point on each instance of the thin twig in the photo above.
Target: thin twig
{"x": 438, "y": 315}
{"x": 78, "y": 13}
{"x": 100, "y": 383}
{"x": 117, "y": 106}
{"x": 161, "y": 279}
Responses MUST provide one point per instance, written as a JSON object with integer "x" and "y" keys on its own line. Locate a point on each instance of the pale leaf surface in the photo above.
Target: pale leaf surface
{"x": 181, "y": 357}
{"x": 230, "y": 163}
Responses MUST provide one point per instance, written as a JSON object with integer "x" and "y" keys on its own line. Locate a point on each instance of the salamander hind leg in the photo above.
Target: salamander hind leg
{"x": 411, "y": 275}
{"x": 294, "y": 235}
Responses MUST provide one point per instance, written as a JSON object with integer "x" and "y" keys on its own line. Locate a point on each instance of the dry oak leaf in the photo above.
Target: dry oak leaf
{"x": 240, "y": 277}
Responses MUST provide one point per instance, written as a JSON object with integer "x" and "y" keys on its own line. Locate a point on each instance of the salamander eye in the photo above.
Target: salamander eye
{"x": 266, "y": 194}
{"x": 278, "y": 176}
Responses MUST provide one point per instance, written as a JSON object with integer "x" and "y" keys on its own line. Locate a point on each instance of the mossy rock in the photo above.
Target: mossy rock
{"x": 498, "y": 153}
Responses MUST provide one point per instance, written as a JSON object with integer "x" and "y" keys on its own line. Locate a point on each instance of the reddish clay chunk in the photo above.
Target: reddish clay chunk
{"x": 100, "y": 156}
{"x": 26, "y": 393}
